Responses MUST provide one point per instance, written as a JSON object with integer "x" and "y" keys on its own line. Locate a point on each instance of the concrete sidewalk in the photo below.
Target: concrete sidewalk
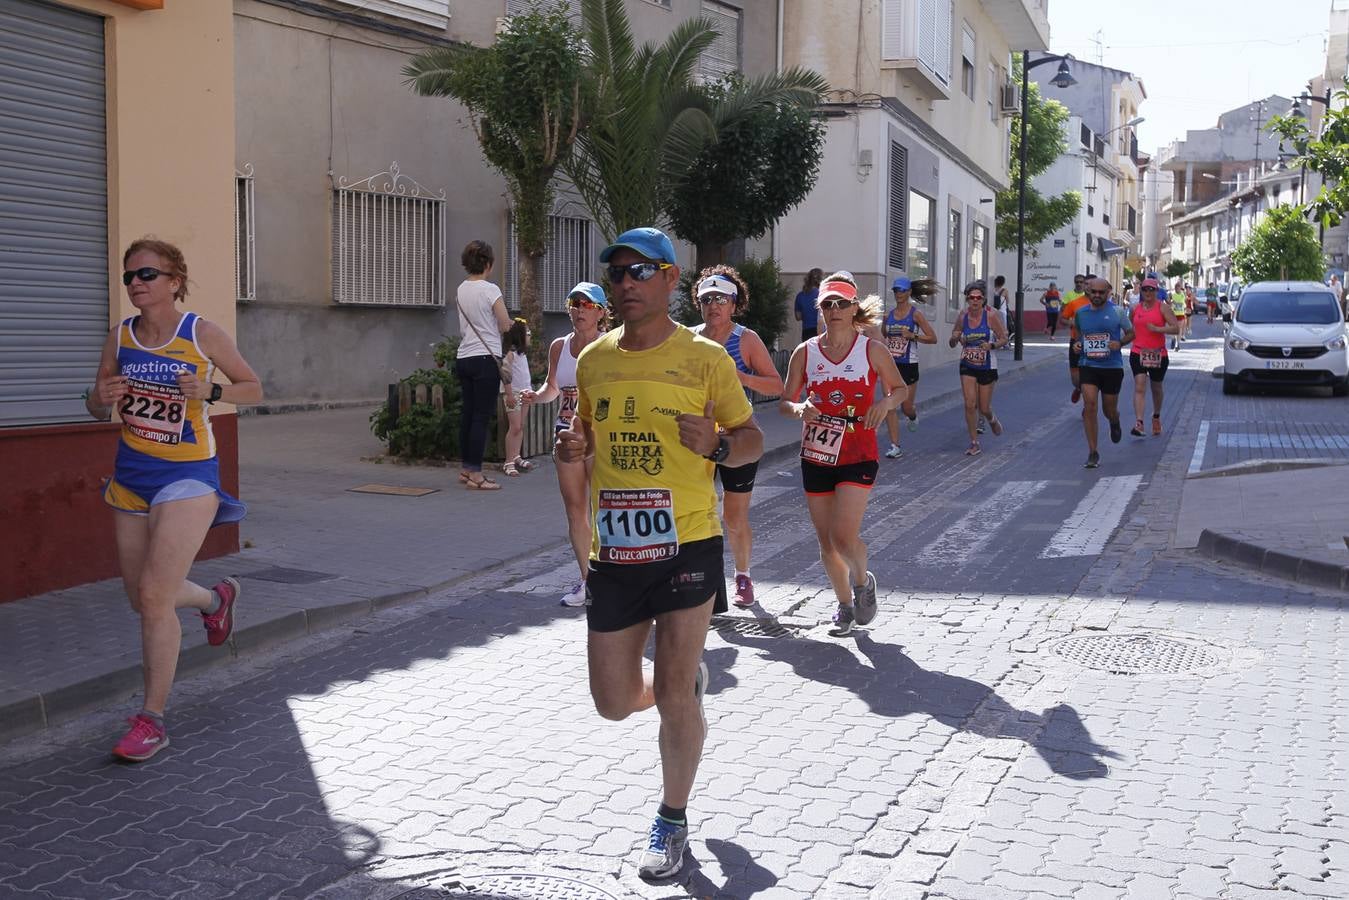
{"x": 317, "y": 554}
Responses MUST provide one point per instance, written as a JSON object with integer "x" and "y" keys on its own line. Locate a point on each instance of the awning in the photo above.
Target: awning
{"x": 1108, "y": 247}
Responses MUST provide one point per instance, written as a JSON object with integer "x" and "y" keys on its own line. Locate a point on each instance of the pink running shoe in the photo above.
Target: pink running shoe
{"x": 744, "y": 591}
{"x": 143, "y": 741}
{"x": 220, "y": 625}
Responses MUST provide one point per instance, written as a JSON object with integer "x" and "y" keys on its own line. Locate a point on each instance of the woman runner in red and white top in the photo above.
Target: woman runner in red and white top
{"x": 838, "y": 371}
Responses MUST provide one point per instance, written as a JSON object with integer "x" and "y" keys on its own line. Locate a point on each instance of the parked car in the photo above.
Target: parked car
{"x": 1287, "y": 333}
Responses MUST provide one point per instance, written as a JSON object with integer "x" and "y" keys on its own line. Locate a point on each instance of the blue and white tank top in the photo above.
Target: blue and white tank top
{"x": 732, "y": 346}
{"x": 972, "y": 356}
{"x": 899, "y": 334}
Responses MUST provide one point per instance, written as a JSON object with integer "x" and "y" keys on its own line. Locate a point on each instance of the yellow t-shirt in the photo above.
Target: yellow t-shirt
{"x": 649, "y": 493}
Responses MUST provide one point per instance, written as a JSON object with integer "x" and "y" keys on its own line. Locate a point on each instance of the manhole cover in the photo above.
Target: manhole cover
{"x": 282, "y": 575}
{"x": 506, "y": 886}
{"x": 1138, "y": 654}
{"x": 750, "y": 627}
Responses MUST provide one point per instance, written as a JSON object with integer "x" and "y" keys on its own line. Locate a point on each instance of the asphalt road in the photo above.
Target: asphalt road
{"x": 1052, "y": 703}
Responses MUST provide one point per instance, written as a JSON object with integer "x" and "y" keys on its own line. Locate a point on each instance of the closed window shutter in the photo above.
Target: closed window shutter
{"x": 515, "y": 7}
{"x": 897, "y": 237}
{"x": 723, "y": 56}
{"x": 53, "y": 211}
{"x": 892, "y": 28}
{"x": 944, "y": 14}
{"x": 927, "y": 35}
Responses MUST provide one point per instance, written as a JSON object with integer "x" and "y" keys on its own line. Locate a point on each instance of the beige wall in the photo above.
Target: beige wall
{"x": 171, "y": 143}
{"x": 841, "y": 39}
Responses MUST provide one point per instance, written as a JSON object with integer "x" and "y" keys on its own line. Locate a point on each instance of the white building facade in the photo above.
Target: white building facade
{"x": 917, "y": 141}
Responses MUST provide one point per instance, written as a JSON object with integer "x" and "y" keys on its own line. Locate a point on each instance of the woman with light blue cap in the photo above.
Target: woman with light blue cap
{"x": 902, "y": 328}
{"x": 588, "y": 308}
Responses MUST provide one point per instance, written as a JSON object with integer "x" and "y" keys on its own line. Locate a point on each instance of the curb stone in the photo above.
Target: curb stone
{"x": 1288, "y": 566}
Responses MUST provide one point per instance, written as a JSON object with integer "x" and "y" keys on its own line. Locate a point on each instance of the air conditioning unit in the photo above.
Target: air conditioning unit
{"x": 1010, "y": 99}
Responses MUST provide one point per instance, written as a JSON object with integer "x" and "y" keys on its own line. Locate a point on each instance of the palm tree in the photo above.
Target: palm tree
{"x": 523, "y": 96}
{"x": 648, "y": 120}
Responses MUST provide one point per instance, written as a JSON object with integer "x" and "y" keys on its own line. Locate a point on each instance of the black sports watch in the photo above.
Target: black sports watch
{"x": 723, "y": 450}
{"x": 216, "y": 391}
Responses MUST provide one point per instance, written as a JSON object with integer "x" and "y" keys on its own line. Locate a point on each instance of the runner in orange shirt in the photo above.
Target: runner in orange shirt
{"x": 1072, "y": 302}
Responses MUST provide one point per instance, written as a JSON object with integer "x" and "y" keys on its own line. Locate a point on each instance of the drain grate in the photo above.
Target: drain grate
{"x": 505, "y": 886}
{"x": 751, "y": 627}
{"x": 1138, "y": 654}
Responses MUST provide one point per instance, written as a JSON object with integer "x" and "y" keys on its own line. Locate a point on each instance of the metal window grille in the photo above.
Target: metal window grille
{"x": 245, "y": 258}
{"x": 571, "y": 255}
{"x": 722, "y": 57}
{"x": 388, "y": 242}
{"x": 896, "y": 238}
{"x": 515, "y": 7}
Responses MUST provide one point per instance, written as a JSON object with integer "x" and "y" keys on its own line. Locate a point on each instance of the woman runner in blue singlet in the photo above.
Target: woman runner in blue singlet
{"x": 721, "y": 294}
{"x": 979, "y": 332}
{"x": 158, "y": 370}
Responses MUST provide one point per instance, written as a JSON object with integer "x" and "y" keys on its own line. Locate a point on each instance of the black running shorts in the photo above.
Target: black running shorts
{"x": 1156, "y": 373}
{"x": 1108, "y": 380}
{"x": 982, "y": 376}
{"x": 817, "y": 479}
{"x": 625, "y": 595}
{"x": 738, "y": 479}
{"x": 909, "y": 372}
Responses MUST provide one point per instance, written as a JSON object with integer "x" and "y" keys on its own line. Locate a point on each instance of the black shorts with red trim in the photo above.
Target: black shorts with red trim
{"x": 817, "y": 479}
{"x": 625, "y": 595}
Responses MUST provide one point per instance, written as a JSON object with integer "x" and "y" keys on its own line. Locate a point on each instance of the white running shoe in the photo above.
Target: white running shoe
{"x": 894, "y": 452}
{"x": 576, "y": 596}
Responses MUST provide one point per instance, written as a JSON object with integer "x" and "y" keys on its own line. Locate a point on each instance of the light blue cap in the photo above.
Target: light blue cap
{"x": 902, "y": 283}
{"x": 591, "y": 291}
{"x": 649, "y": 242}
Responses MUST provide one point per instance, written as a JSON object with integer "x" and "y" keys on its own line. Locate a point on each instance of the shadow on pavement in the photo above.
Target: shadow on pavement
{"x": 895, "y": 686}
{"x": 744, "y": 876}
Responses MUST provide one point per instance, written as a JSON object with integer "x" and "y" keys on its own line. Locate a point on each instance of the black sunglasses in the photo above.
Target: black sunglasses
{"x": 146, "y": 274}
{"x": 642, "y": 271}
{"x": 1148, "y": 290}
{"x": 718, "y": 299}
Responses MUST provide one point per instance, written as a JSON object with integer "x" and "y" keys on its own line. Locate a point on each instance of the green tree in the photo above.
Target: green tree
{"x": 1282, "y": 247}
{"x": 764, "y": 162}
{"x": 1045, "y": 143}
{"x": 1177, "y": 268}
{"x": 648, "y": 123}
{"x": 523, "y": 96}
{"x": 1326, "y": 153}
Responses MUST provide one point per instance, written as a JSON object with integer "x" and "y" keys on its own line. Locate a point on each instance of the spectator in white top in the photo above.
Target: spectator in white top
{"x": 482, "y": 320}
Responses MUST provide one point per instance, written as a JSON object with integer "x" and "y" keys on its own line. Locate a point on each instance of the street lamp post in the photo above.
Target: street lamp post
{"x": 1063, "y": 79}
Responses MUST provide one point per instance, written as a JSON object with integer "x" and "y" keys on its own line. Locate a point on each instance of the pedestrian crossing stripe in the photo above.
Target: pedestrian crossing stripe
{"x": 1087, "y": 530}
{"x": 970, "y": 533}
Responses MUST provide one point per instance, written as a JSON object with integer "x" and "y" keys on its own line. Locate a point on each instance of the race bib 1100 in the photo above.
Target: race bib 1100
{"x": 636, "y": 526}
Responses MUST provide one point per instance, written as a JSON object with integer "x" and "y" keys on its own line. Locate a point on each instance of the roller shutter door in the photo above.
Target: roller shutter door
{"x": 53, "y": 211}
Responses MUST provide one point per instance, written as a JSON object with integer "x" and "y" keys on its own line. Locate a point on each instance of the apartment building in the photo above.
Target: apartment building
{"x": 917, "y": 141}
{"x": 335, "y": 302}
{"x": 1103, "y": 164}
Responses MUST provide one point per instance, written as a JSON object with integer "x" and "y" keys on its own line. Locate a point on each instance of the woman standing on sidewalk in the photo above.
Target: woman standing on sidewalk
{"x": 158, "y": 370}
{"x": 838, "y": 370}
{"x": 721, "y": 294}
{"x": 482, "y": 320}
{"x": 588, "y": 308}
{"x": 979, "y": 332}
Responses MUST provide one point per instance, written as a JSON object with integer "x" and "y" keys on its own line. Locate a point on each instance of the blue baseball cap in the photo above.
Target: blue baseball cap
{"x": 591, "y": 291}
{"x": 902, "y": 283}
{"x": 649, "y": 242}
